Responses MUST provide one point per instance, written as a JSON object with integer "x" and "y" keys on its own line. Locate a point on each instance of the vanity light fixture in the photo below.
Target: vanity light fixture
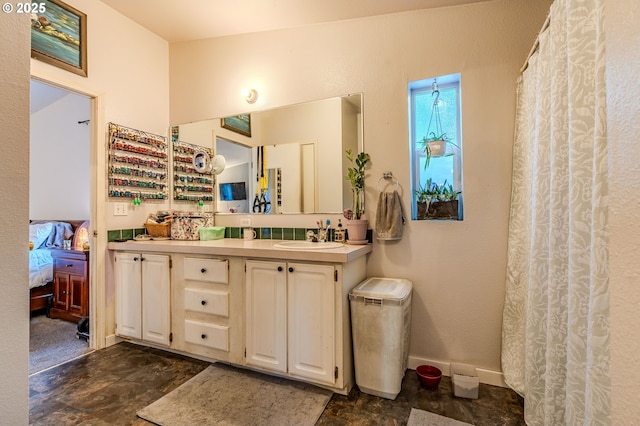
{"x": 250, "y": 95}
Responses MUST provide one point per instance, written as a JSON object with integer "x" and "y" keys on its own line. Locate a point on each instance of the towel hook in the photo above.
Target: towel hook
{"x": 387, "y": 176}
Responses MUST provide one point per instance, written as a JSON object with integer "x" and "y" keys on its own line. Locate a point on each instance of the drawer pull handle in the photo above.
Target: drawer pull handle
{"x": 279, "y": 268}
{"x": 203, "y": 270}
{"x": 290, "y": 269}
{"x": 69, "y": 266}
{"x": 135, "y": 259}
{"x": 204, "y": 302}
{"x": 203, "y": 336}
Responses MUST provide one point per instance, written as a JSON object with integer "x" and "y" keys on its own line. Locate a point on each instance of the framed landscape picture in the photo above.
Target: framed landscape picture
{"x": 59, "y": 36}
{"x": 238, "y": 123}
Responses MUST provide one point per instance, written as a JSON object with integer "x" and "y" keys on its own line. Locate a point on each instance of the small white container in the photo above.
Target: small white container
{"x": 465, "y": 380}
{"x": 380, "y": 323}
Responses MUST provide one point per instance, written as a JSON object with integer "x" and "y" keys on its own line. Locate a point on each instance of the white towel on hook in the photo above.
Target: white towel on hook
{"x": 389, "y": 216}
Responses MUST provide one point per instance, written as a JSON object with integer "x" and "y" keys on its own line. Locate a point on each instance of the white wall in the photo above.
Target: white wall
{"x": 457, "y": 268}
{"x": 14, "y": 303}
{"x": 623, "y": 67}
{"x": 201, "y": 133}
{"x": 59, "y": 160}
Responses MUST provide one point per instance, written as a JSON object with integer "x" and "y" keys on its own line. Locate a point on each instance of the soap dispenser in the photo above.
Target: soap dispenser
{"x": 340, "y": 233}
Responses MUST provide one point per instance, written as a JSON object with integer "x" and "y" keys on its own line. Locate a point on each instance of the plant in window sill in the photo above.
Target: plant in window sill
{"x": 356, "y": 226}
{"x": 437, "y": 201}
{"x": 436, "y": 146}
{"x": 423, "y": 198}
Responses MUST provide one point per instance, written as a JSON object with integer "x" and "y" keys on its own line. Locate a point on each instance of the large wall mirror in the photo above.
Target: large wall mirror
{"x": 283, "y": 160}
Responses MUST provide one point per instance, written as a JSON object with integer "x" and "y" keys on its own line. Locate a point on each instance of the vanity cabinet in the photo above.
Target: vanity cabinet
{"x": 205, "y": 310}
{"x": 70, "y": 284}
{"x": 290, "y": 319}
{"x": 270, "y": 309}
{"x": 143, "y": 298}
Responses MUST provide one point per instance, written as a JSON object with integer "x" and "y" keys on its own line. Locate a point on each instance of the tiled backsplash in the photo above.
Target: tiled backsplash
{"x": 265, "y": 233}
{"x": 124, "y": 234}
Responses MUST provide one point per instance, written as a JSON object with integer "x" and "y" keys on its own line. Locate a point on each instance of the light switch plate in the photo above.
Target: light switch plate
{"x": 120, "y": 209}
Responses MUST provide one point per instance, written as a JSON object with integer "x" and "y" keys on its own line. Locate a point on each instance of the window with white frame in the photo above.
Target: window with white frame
{"x": 436, "y": 167}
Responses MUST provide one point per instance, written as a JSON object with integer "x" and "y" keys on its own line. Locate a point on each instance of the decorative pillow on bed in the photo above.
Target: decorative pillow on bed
{"x": 38, "y": 233}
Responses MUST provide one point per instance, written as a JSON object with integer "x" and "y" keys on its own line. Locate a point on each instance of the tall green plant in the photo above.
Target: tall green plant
{"x": 355, "y": 175}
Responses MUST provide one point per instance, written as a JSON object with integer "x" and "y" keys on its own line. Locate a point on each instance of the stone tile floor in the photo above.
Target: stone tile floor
{"x": 108, "y": 386}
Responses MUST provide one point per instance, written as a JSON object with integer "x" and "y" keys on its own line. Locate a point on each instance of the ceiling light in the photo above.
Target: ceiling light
{"x": 250, "y": 95}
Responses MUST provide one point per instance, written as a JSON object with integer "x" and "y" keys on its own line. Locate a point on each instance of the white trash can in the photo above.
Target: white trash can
{"x": 380, "y": 325}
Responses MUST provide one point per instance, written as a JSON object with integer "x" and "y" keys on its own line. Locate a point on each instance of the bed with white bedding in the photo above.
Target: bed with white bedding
{"x": 40, "y": 267}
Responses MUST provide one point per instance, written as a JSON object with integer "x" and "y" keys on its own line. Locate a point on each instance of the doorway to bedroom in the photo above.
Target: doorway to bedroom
{"x": 59, "y": 211}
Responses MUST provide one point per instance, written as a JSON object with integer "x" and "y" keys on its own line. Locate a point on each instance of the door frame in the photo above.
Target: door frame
{"x": 97, "y": 231}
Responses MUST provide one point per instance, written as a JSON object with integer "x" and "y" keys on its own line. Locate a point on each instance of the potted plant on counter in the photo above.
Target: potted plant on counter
{"x": 356, "y": 225}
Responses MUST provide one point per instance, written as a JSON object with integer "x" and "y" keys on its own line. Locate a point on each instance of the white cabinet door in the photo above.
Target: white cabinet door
{"x": 266, "y": 315}
{"x": 128, "y": 295}
{"x": 156, "y": 318}
{"x": 311, "y": 309}
{"x": 143, "y": 296}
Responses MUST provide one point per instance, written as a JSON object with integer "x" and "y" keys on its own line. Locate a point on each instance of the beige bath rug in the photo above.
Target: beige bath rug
{"x": 224, "y": 395}
{"x": 425, "y": 418}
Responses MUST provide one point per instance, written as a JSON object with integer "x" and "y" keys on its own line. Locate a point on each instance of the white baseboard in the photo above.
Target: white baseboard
{"x": 489, "y": 377}
{"x": 111, "y": 340}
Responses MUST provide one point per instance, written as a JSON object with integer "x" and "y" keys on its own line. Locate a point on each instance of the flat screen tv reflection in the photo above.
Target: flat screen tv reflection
{"x": 233, "y": 191}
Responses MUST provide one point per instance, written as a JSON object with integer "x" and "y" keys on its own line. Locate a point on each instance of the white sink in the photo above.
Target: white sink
{"x": 307, "y": 245}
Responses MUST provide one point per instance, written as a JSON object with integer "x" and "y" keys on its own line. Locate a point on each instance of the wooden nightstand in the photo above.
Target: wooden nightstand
{"x": 70, "y": 284}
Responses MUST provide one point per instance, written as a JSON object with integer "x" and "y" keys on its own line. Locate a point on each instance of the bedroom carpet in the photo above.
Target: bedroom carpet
{"x": 224, "y": 395}
{"x": 51, "y": 342}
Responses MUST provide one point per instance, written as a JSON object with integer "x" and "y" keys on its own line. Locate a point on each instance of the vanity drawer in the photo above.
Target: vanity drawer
{"x": 206, "y": 334}
{"x": 207, "y": 301}
{"x": 75, "y": 267}
{"x": 210, "y": 270}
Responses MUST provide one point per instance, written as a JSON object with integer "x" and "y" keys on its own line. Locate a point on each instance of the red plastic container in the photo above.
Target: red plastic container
{"x": 429, "y": 376}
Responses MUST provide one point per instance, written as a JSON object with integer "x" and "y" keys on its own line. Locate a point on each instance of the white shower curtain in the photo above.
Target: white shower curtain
{"x": 555, "y": 349}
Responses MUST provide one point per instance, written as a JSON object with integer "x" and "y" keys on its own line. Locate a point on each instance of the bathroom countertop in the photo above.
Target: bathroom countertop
{"x": 241, "y": 248}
